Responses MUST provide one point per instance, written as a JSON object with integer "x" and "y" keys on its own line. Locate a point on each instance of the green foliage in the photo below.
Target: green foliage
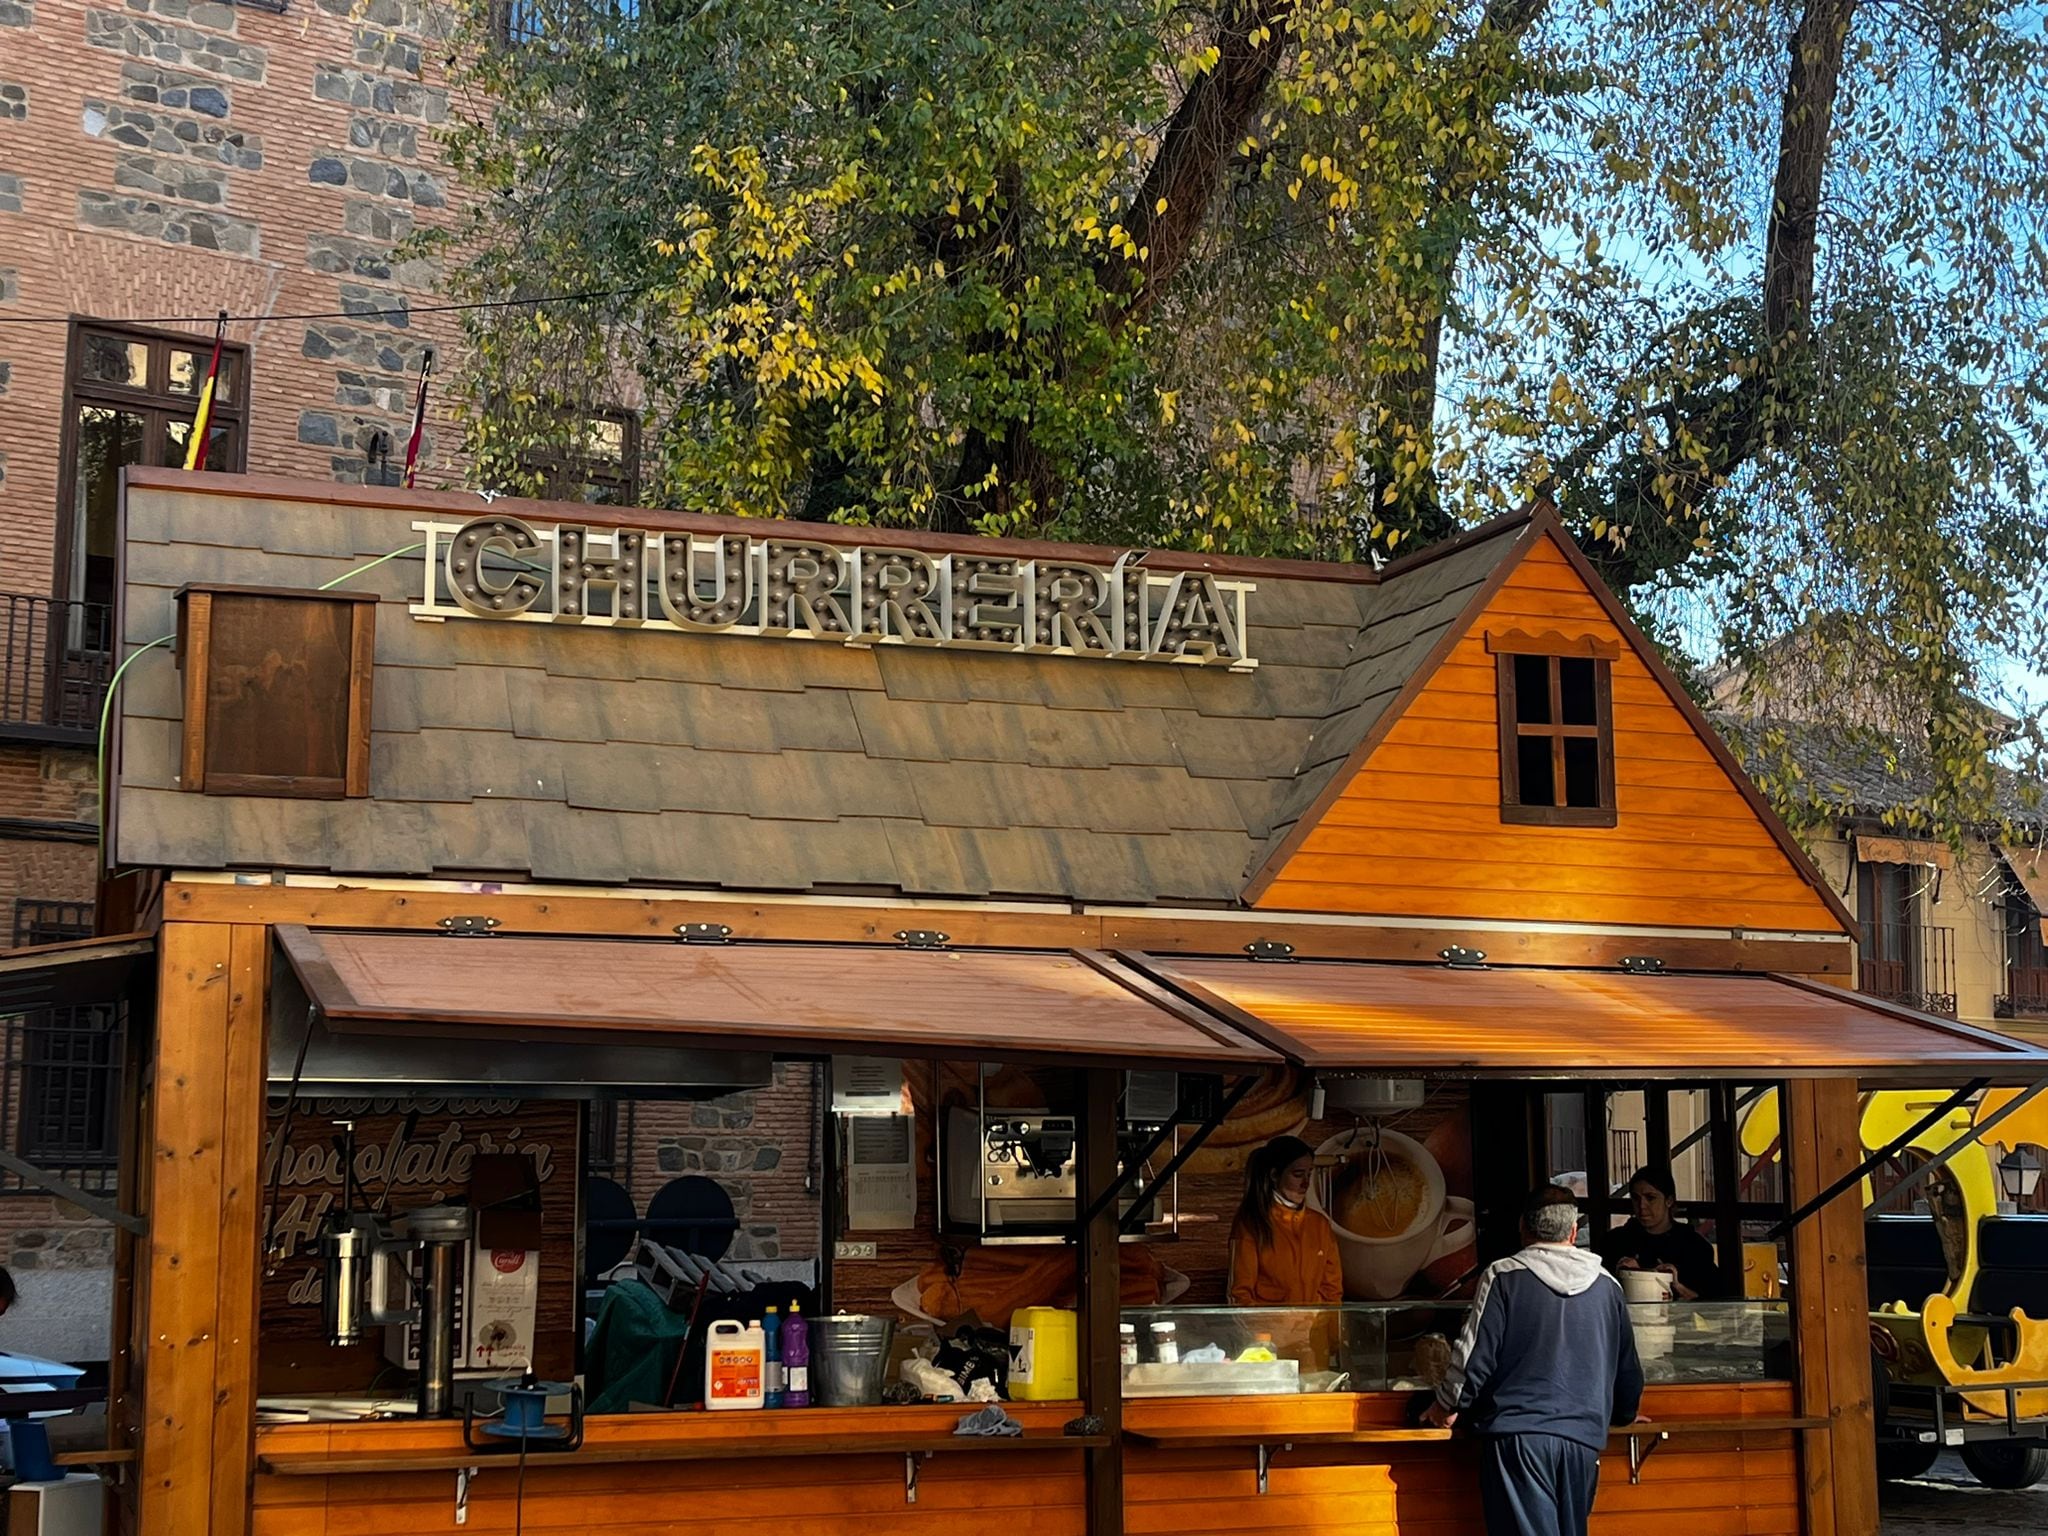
{"x": 1324, "y": 279}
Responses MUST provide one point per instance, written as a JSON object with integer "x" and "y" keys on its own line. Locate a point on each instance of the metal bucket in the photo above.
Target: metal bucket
{"x": 849, "y": 1357}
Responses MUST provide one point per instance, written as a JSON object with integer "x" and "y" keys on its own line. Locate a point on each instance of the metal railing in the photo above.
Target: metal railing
{"x": 2025, "y": 995}
{"x": 1622, "y": 1157}
{"x": 1910, "y": 963}
{"x": 56, "y": 657}
{"x": 60, "y": 1093}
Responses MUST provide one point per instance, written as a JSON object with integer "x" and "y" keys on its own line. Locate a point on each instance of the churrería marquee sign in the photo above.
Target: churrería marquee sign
{"x": 499, "y": 567}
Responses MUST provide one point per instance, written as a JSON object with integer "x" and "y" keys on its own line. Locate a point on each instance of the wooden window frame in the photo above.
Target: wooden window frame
{"x": 154, "y": 402}
{"x": 1555, "y": 648}
{"x": 194, "y": 658}
{"x": 564, "y": 474}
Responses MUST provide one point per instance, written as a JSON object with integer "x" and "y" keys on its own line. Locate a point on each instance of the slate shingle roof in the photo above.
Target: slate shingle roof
{"x": 559, "y": 754}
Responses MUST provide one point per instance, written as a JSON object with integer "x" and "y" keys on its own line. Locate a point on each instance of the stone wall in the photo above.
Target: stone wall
{"x": 756, "y": 1144}
{"x": 171, "y": 158}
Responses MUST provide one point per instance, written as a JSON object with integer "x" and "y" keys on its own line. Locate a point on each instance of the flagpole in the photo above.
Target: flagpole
{"x": 202, "y": 419}
{"x": 419, "y": 420}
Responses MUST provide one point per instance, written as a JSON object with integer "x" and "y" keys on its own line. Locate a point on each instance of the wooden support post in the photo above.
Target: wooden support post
{"x": 199, "y": 1309}
{"x": 1831, "y": 1311}
{"x": 1101, "y": 1294}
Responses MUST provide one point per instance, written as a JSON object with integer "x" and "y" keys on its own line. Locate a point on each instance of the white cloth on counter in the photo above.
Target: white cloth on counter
{"x": 931, "y": 1381}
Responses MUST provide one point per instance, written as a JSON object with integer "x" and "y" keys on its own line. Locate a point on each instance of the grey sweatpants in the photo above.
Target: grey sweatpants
{"x": 1536, "y": 1485}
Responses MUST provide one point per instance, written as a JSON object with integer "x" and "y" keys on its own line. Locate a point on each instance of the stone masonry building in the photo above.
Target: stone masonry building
{"x": 162, "y": 160}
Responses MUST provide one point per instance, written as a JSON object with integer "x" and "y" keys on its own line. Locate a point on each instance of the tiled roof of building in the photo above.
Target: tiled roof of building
{"x": 559, "y": 753}
{"x": 1863, "y": 778}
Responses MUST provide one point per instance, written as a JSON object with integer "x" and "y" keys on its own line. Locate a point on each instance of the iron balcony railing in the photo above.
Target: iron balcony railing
{"x": 1910, "y": 963}
{"x": 56, "y": 657}
{"x": 2025, "y": 995}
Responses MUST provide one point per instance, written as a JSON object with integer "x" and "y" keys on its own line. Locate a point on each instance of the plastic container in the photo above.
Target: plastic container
{"x": 853, "y": 1358}
{"x": 735, "y": 1365}
{"x": 776, "y": 1381}
{"x": 1045, "y": 1354}
{"x": 796, "y": 1359}
{"x": 1127, "y": 1343}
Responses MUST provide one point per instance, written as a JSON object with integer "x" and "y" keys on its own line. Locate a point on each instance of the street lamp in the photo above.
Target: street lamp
{"x": 2019, "y": 1171}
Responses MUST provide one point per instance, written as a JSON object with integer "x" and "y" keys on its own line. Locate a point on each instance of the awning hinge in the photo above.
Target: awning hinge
{"x": 1642, "y": 965}
{"x": 1269, "y": 949}
{"x": 703, "y": 933}
{"x": 923, "y": 938}
{"x": 1459, "y": 958}
{"x": 468, "y": 927}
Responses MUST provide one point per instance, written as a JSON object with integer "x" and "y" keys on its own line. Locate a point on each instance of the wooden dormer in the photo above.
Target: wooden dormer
{"x": 1422, "y": 817}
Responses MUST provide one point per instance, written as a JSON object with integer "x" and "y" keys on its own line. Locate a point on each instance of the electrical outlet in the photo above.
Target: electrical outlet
{"x": 853, "y": 1250}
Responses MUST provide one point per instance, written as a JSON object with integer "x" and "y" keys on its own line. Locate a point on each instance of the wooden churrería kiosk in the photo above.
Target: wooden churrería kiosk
{"x": 456, "y": 825}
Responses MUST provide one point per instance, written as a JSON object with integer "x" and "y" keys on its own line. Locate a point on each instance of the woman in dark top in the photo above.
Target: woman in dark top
{"x": 1651, "y": 1239}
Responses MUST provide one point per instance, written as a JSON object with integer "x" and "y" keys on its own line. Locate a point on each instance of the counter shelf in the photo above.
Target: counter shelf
{"x": 1400, "y": 1346}
{"x": 388, "y": 1448}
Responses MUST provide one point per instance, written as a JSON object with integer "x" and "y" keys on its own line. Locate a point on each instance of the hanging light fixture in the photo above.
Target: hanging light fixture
{"x": 2019, "y": 1171}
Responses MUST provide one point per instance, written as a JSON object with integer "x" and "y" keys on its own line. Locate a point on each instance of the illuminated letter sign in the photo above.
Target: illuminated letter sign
{"x": 500, "y": 567}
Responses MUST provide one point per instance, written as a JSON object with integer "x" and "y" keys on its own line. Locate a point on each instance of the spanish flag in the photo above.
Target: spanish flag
{"x": 419, "y": 421}
{"x": 202, "y": 420}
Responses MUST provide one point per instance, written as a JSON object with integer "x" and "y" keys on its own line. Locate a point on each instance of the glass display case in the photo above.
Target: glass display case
{"x": 1406, "y": 1346}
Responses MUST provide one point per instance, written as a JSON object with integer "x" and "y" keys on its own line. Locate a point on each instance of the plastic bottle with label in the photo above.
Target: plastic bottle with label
{"x": 735, "y": 1365}
{"x": 796, "y": 1359}
{"x": 771, "y": 1332}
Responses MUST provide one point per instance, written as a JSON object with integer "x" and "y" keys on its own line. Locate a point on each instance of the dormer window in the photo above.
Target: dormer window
{"x": 1556, "y": 729}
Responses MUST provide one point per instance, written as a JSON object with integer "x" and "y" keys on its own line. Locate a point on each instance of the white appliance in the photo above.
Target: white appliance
{"x": 868, "y": 1085}
{"x": 1367, "y": 1096}
{"x": 74, "y": 1506}
{"x": 881, "y": 1173}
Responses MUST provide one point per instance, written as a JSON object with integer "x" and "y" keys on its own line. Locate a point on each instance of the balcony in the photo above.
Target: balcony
{"x": 1910, "y": 963}
{"x": 2025, "y": 995}
{"x": 56, "y": 657}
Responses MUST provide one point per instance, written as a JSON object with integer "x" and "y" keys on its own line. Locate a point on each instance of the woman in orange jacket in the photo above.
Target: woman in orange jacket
{"x": 1282, "y": 1254}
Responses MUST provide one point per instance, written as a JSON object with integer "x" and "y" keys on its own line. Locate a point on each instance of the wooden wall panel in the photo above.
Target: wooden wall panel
{"x": 1417, "y": 831}
{"x": 1017, "y": 1493}
{"x": 1707, "y": 1485}
{"x": 197, "y": 1312}
{"x": 1831, "y": 1311}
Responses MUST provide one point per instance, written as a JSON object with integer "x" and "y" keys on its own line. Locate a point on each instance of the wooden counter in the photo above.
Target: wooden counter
{"x": 1337, "y": 1465}
{"x": 1356, "y": 1466}
{"x": 822, "y": 1470}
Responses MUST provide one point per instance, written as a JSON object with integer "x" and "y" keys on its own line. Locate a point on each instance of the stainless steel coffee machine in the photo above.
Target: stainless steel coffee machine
{"x": 405, "y": 1271}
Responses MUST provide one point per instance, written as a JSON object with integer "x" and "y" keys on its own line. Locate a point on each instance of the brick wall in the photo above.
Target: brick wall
{"x": 173, "y": 158}
{"x": 176, "y": 157}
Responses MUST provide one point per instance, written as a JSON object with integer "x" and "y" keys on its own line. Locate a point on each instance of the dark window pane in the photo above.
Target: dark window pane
{"x": 108, "y": 440}
{"x": 1576, "y": 682}
{"x": 1582, "y": 771}
{"x": 219, "y": 445}
{"x": 1532, "y": 690}
{"x": 113, "y": 360}
{"x": 1533, "y": 759}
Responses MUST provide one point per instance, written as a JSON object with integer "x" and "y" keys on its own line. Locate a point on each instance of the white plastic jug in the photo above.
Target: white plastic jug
{"x": 735, "y": 1365}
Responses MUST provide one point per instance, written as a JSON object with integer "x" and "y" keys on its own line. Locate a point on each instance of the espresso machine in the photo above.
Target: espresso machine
{"x": 403, "y": 1272}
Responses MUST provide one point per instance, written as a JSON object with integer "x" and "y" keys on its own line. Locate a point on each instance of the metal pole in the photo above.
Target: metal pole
{"x": 1862, "y": 1170}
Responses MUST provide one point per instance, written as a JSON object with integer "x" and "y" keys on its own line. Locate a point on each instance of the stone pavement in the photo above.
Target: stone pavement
{"x": 1950, "y": 1502}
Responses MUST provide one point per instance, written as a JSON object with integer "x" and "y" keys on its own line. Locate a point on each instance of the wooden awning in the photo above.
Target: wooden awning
{"x": 1074, "y": 1007}
{"x": 1881, "y": 848}
{"x": 79, "y": 972}
{"x": 1518, "y": 1021}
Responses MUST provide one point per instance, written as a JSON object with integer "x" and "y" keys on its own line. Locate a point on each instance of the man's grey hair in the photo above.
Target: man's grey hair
{"x": 1551, "y": 1214}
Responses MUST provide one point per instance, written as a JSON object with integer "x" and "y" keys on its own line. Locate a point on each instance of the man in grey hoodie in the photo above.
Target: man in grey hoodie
{"x": 1545, "y": 1368}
